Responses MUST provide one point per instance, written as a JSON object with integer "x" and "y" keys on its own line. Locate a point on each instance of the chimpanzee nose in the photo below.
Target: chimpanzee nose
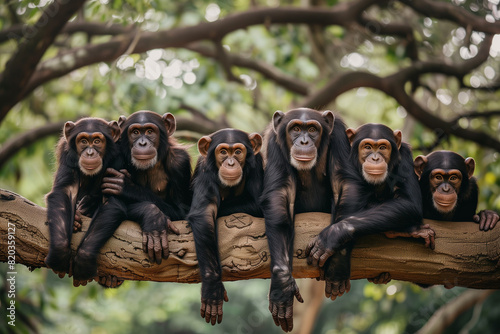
{"x": 90, "y": 152}
{"x": 230, "y": 162}
{"x": 376, "y": 157}
{"x": 304, "y": 140}
{"x": 142, "y": 142}
{"x": 446, "y": 187}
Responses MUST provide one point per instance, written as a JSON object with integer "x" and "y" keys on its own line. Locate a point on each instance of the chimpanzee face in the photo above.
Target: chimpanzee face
{"x": 88, "y": 137}
{"x": 304, "y": 129}
{"x": 375, "y": 144}
{"x": 144, "y": 140}
{"x": 230, "y": 154}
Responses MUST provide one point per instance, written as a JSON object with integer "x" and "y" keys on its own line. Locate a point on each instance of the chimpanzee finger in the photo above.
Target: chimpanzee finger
{"x": 203, "y": 307}
{"x": 208, "y": 312}
{"x": 225, "y": 296}
{"x": 281, "y": 317}
{"x": 219, "y": 313}
{"x": 489, "y": 219}
{"x": 297, "y": 294}
{"x": 126, "y": 173}
{"x": 476, "y": 218}
{"x": 213, "y": 314}
{"x": 496, "y": 218}
{"x": 348, "y": 286}
{"x": 112, "y": 171}
{"x": 164, "y": 244}
{"x": 289, "y": 316}
{"x": 310, "y": 246}
{"x": 325, "y": 256}
{"x": 328, "y": 289}
{"x": 144, "y": 242}
{"x": 274, "y": 312}
{"x": 157, "y": 246}
{"x": 172, "y": 227}
{"x": 315, "y": 255}
{"x": 151, "y": 251}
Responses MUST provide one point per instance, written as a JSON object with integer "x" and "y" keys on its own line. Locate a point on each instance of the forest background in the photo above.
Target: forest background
{"x": 429, "y": 68}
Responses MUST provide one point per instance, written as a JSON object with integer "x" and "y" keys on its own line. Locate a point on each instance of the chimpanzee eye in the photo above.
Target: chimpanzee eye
{"x": 382, "y": 147}
{"x": 84, "y": 141}
{"x": 238, "y": 151}
{"x": 439, "y": 177}
{"x": 312, "y": 129}
{"x": 296, "y": 129}
{"x": 368, "y": 147}
{"x": 149, "y": 131}
{"x": 97, "y": 141}
{"x": 223, "y": 152}
{"x": 453, "y": 178}
{"x": 135, "y": 132}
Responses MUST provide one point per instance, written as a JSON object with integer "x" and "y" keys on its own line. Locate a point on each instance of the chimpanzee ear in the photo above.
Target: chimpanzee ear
{"x": 115, "y": 130}
{"x": 68, "y": 127}
{"x": 203, "y": 145}
{"x": 169, "y": 121}
{"x": 471, "y": 165}
{"x": 330, "y": 119}
{"x": 350, "y": 134}
{"x": 277, "y": 117}
{"x": 121, "y": 120}
{"x": 256, "y": 141}
{"x": 419, "y": 165}
{"x": 398, "y": 137}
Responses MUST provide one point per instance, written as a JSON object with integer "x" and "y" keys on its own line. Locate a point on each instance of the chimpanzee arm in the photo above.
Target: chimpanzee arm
{"x": 61, "y": 202}
{"x": 202, "y": 219}
{"x": 101, "y": 228}
{"x": 277, "y": 201}
{"x": 399, "y": 213}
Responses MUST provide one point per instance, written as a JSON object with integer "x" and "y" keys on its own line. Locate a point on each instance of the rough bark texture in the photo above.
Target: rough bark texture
{"x": 464, "y": 256}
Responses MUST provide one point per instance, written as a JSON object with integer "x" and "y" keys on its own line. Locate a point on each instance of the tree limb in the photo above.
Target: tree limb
{"x": 13, "y": 145}
{"x": 448, "y": 313}
{"x": 464, "y": 256}
{"x": 23, "y": 62}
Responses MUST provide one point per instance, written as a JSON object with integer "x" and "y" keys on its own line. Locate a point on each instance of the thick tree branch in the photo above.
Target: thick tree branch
{"x": 23, "y": 62}
{"x": 448, "y": 313}
{"x": 13, "y": 145}
{"x": 464, "y": 256}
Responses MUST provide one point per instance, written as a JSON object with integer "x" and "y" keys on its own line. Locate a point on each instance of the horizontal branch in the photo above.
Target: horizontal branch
{"x": 464, "y": 256}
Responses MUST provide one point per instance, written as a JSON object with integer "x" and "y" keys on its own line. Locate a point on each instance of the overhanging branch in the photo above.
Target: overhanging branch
{"x": 464, "y": 256}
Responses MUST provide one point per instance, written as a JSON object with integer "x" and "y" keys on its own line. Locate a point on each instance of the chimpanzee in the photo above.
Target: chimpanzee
{"x": 227, "y": 179}
{"x": 449, "y": 190}
{"x": 303, "y": 151}
{"x": 85, "y": 150}
{"x": 380, "y": 193}
{"x": 154, "y": 186}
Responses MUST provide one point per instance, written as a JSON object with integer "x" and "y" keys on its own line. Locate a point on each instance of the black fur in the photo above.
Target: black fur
{"x": 212, "y": 199}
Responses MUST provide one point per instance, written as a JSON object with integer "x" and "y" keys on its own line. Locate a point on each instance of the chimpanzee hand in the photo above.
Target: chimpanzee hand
{"x": 115, "y": 181}
{"x": 383, "y": 278}
{"x": 109, "y": 281}
{"x": 487, "y": 219}
{"x": 154, "y": 233}
{"x": 213, "y": 295}
{"x": 327, "y": 242}
{"x": 424, "y": 231}
{"x": 281, "y": 302}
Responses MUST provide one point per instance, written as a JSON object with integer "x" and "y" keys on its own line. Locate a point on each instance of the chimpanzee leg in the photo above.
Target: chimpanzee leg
{"x": 101, "y": 228}
{"x": 338, "y": 272}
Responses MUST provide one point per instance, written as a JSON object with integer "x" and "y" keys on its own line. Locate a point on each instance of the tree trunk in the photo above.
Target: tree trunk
{"x": 464, "y": 256}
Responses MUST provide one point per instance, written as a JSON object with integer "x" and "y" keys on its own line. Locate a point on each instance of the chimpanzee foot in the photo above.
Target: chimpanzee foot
{"x": 59, "y": 261}
{"x": 383, "y": 278}
{"x": 109, "y": 281}
{"x": 335, "y": 289}
{"x": 84, "y": 268}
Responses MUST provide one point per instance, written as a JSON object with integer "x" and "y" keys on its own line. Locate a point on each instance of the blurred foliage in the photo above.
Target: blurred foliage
{"x": 163, "y": 80}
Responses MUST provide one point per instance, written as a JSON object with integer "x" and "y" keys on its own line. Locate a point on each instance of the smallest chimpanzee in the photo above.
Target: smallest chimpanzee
{"x": 227, "y": 179}
{"x": 449, "y": 191}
